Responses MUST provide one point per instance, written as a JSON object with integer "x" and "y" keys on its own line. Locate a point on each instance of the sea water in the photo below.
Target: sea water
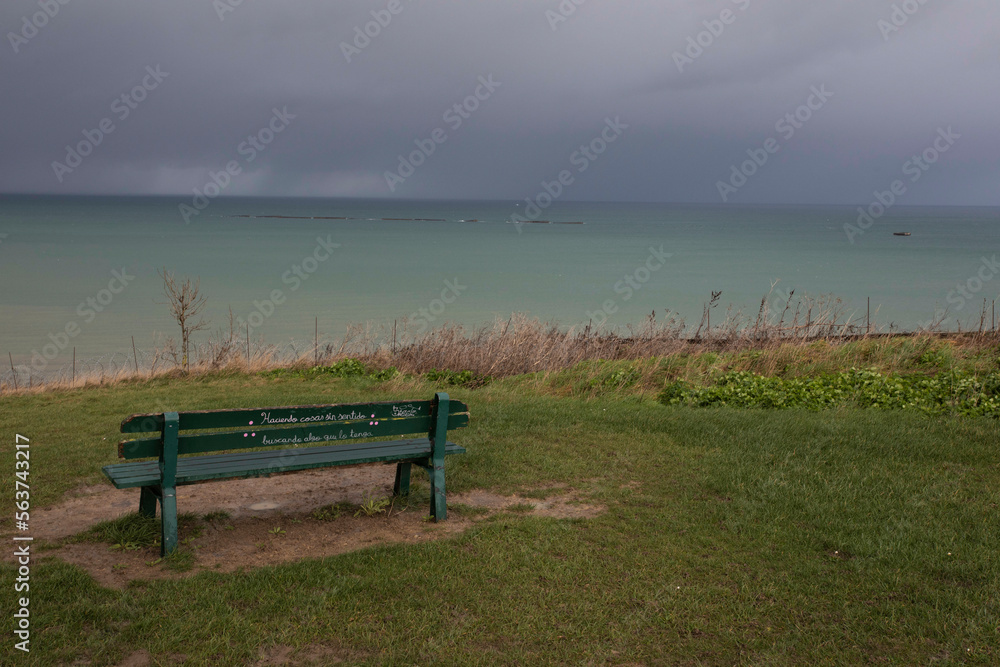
{"x": 83, "y": 271}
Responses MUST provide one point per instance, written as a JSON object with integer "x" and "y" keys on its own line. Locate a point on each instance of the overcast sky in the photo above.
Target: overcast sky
{"x": 351, "y": 105}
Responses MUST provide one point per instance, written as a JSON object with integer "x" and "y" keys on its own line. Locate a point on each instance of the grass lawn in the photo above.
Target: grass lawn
{"x": 729, "y": 537}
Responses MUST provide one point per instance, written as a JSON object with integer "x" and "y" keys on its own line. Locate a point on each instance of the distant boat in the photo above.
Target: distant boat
{"x": 901, "y": 233}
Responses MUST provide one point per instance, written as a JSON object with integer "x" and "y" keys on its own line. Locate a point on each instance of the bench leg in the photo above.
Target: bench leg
{"x": 439, "y": 509}
{"x": 168, "y": 521}
{"x": 147, "y": 502}
{"x": 402, "y": 485}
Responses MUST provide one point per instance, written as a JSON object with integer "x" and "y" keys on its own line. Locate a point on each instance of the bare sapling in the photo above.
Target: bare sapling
{"x": 186, "y": 303}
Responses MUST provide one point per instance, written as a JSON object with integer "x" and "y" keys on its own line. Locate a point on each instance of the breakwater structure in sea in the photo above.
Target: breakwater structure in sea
{"x": 344, "y": 217}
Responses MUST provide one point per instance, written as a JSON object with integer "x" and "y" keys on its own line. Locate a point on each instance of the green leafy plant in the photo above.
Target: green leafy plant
{"x": 457, "y": 378}
{"x": 952, "y": 392}
{"x": 345, "y": 368}
{"x": 385, "y": 374}
{"x": 372, "y": 505}
{"x": 676, "y": 392}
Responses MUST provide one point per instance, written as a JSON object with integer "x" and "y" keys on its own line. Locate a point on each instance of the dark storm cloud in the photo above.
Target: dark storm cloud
{"x": 898, "y": 71}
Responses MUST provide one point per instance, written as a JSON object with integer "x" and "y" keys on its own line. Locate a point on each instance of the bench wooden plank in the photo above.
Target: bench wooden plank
{"x": 225, "y": 468}
{"x": 306, "y": 463}
{"x": 270, "y": 437}
{"x": 266, "y": 468}
{"x": 192, "y": 463}
{"x": 259, "y": 455}
{"x": 264, "y": 454}
{"x": 239, "y": 418}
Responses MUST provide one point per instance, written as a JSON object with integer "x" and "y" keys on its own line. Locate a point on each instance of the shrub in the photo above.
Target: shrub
{"x": 953, "y": 392}
{"x": 458, "y": 378}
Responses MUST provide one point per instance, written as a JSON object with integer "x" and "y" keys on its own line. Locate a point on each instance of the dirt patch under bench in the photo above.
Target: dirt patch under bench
{"x": 236, "y": 544}
{"x": 269, "y": 521}
{"x": 280, "y": 494}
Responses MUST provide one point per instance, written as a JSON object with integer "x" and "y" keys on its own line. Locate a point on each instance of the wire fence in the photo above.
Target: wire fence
{"x": 507, "y": 346}
{"x": 139, "y": 362}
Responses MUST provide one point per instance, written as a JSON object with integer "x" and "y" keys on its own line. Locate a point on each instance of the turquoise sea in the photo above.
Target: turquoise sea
{"x": 59, "y": 258}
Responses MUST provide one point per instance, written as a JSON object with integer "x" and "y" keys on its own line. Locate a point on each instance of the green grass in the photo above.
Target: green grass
{"x": 730, "y": 536}
{"x": 126, "y": 530}
{"x": 520, "y": 508}
{"x": 132, "y": 532}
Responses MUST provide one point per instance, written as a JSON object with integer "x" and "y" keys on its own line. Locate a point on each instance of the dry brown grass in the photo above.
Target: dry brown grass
{"x": 520, "y": 345}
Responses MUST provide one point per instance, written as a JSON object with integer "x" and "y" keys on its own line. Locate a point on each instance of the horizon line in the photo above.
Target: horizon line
{"x": 470, "y": 199}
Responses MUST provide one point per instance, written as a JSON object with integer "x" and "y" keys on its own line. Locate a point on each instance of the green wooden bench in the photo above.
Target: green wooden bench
{"x": 296, "y": 430}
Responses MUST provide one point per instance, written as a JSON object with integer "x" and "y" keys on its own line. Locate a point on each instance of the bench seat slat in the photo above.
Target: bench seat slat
{"x": 150, "y": 475}
{"x": 265, "y": 468}
{"x": 195, "y": 462}
{"x": 303, "y": 463}
{"x": 264, "y": 454}
{"x": 209, "y": 419}
{"x": 256, "y": 464}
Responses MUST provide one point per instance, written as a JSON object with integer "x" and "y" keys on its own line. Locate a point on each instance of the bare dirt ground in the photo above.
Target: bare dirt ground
{"x": 270, "y": 521}
{"x": 566, "y": 504}
{"x": 289, "y": 494}
{"x": 311, "y": 654}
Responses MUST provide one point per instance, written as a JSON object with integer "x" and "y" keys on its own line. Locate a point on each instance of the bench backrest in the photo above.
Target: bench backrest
{"x": 289, "y": 426}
